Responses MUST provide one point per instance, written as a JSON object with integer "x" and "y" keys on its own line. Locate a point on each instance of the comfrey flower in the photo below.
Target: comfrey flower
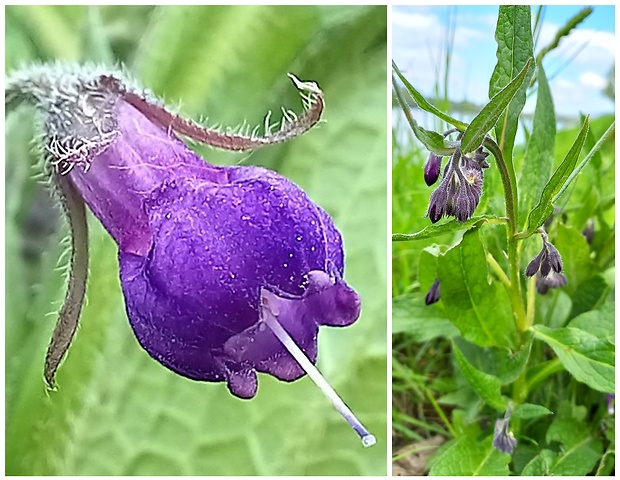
{"x": 226, "y": 271}
{"x": 503, "y": 440}
{"x": 460, "y": 189}
{"x": 547, "y": 266}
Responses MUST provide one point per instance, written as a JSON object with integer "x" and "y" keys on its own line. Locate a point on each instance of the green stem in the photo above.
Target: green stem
{"x": 510, "y": 193}
{"x": 551, "y": 367}
{"x": 439, "y": 411}
{"x": 498, "y": 271}
{"x": 531, "y": 302}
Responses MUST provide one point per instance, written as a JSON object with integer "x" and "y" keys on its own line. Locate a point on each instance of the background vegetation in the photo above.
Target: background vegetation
{"x": 439, "y": 400}
{"x": 117, "y": 411}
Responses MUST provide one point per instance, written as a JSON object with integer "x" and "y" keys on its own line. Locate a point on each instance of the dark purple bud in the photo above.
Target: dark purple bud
{"x": 534, "y": 265}
{"x": 438, "y": 202}
{"x": 553, "y": 280}
{"x": 433, "y": 293}
{"x": 432, "y": 168}
{"x": 545, "y": 265}
{"x": 554, "y": 258}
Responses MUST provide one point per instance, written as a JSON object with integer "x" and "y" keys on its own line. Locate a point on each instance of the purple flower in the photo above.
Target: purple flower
{"x": 547, "y": 266}
{"x": 432, "y": 168}
{"x": 460, "y": 189}
{"x": 503, "y": 440}
{"x": 208, "y": 255}
{"x": 611, "y": 403}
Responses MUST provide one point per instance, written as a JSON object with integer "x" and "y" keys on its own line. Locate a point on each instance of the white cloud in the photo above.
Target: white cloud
{"x": 414, "y": 20}
{"x": 593, "y": 47}
{"x": 591, "y": 79}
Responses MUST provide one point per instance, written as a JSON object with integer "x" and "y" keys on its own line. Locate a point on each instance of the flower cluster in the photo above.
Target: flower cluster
{"x": 460, "y": 189}
{"x": 547, "y": 266}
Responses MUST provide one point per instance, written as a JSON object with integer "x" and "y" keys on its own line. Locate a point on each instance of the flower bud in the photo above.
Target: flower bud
{"x": 432, "y": 168}
{"x": 433, "y": 293}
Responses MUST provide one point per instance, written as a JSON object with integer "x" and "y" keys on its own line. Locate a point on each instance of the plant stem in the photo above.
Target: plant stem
{"x": 498, "y": 271}
{"x": 551, "y": 367}
{"x": 512, "y": 213}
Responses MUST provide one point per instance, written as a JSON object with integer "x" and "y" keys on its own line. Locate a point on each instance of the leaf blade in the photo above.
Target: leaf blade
{"x": 544, "y": 208}
{"x": 587, "y": 358}
{"x": 479, "y": 309}
{"x": 513, "y": 35}
{"x": 424, "y": 104}
{"x": 490, "y": 113}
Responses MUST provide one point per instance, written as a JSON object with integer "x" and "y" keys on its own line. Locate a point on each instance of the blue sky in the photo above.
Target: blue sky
{"x": 418, "y": 36}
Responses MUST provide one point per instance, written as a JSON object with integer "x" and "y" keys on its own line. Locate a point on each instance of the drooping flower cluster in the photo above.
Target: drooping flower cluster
{"x": 460, "y": 189}
{"x": 547, "y": 266}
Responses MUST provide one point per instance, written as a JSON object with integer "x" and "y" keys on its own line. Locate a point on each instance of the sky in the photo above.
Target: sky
{"x": 418, "y": 36}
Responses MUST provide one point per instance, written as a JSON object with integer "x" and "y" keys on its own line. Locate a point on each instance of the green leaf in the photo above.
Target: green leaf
{"x": 544, "y": 208}
{"x": 600, "y": 323}
{"x": 498, "y": 362}
{"x": 210, "y": 54}
{"x": 481, "y": 311}
{"x": 529, "y": 410}
{"x": 419, "y": 321}
{"x": 580, "y": 449}
{"x": 448, "y": 227}
{"x": 539, "y": 155}
{"x": 486, "y": 386}
{"x": 488, "y": 116}
{"x": 577, "y": 264}
{"x": 590, "y": 293}
{"x": 433, "y": 141}
{"x": 425, "y": 105}
{"x": 468, "y": 456}
{"x": 589, "y": 359}
{"x": 514, "y": 49}
{"x": 540, "y": 465}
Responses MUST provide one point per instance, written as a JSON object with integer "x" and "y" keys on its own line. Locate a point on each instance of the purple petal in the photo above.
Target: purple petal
{"x": 194, "y": 299}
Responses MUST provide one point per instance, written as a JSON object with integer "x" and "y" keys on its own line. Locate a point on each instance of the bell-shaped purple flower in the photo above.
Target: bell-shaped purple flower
{"x": 226, "y": 271}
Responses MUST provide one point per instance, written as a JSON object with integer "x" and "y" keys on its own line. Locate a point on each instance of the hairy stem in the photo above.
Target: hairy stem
{"x": 512, "y": 213}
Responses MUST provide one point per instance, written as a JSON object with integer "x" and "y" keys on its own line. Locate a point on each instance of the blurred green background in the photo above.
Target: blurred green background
{"x": 117, "y": 411}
